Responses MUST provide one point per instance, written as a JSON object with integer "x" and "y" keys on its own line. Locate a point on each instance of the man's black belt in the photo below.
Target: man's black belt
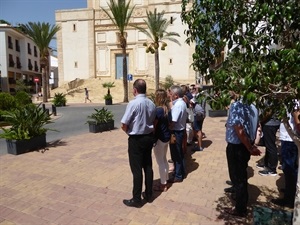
{"x": 140, "y": 135}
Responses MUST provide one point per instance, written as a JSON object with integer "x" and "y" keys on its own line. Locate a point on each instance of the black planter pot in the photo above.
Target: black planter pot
{"x": 100, "y": 127}
{"x": 108, "y": 101}
{"x": 17, "y": 147}
{"x": 217, "y": 113}
{"x": 110, "y": 125}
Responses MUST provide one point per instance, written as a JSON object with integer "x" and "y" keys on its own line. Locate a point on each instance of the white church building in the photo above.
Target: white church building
{"x": 87, "y": 44}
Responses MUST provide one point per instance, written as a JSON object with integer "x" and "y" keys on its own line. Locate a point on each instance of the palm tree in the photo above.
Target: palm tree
{"x": 120, "y": 15}
{"x": 42, "y": 34}
{"x": 157, "y": 26}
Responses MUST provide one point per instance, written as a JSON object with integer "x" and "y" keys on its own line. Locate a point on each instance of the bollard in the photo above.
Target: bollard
{"x": 44, "y": 107}
{"x": 47, "y": 111}
{"x": 53, "y": 110}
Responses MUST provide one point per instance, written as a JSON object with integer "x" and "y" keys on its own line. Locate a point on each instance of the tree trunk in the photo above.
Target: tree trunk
{"x": 156, "y": 55}
{"x": 125, "y": 82}
{"x": 44, "y": 84}
{"x": 296, "y": 139}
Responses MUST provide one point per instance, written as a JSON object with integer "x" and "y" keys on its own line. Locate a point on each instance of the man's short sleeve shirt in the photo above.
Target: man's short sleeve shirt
{"x": 139, "y": 115}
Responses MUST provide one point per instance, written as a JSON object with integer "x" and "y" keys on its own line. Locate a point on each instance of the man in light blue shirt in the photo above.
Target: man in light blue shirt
{"x": 138, "y": 123}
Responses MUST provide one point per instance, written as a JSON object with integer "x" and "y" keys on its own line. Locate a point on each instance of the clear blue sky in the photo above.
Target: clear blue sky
{"x": 24, "y": 11}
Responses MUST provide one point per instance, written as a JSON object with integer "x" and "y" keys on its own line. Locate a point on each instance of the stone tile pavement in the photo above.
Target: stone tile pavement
{"x": 83, "y": 179}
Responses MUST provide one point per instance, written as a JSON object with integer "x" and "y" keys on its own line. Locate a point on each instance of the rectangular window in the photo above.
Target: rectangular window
{"x": 11, "y": 61}
{"x": 35, "y": 51}
{"x": 171, "y": 20}
{"x": 36, "y": 67}
{"x": 75, "y": 64}
{"x": 10, "y": 44}
{"x": 17, "y": 46}
{"x": 170, "y": 61}
{"x": 18, "y": 63}
{"x": 29, "y": 64}
{"x": 74, "y": 27}
{"x": 28, "y": 48}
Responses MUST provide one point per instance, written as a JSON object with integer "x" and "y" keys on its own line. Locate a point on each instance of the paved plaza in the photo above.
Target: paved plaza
{"x": 83, "y": 179}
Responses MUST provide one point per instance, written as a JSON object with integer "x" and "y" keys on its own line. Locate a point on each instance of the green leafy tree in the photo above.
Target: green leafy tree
{"x": 157, "y": 26}
{"x": 120, "y": 14}
{"x": 263, "y": 63}
{"x": 42, "y": 34}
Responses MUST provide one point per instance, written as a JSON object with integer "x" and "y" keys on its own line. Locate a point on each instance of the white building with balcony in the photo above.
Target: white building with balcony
{"x": 19, "y": 60}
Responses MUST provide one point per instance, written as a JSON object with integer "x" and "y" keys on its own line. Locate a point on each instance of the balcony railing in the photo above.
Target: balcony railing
{"x": 11, "y": 63}
{"x": 30, "y": 66}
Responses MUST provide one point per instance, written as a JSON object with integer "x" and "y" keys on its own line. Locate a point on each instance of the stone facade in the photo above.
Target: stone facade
{"x": 87, "y": 44}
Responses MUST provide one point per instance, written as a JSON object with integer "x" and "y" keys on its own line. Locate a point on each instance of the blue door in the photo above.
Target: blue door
{"x": 119, "y": 65}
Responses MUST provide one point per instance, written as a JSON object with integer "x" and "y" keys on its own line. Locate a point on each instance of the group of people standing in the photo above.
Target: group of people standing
{"x": 162, "y": 123}
{"x": 158, "y": 125}
{"x": 242, "y": 128}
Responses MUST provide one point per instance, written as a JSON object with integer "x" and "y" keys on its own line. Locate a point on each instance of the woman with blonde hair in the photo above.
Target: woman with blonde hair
{"x": 162, "y": 135}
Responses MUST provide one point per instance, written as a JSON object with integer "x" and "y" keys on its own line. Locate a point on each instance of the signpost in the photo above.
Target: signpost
{"x": 129, "y": 78}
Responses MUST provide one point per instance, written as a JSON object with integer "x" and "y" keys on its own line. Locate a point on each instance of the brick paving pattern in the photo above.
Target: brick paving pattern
{"x": 83, "y": 179}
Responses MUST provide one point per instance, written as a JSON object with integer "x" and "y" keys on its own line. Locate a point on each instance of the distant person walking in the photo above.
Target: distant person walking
{"x": 138, "y": 123}
{"x": 86, "y": 95}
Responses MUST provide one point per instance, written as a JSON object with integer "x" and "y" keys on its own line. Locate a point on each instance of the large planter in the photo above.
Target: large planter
{"x": 108, "y": 101}
{"x": 17, "y": 147}
{"x": 217, "y": 113}
{"x": 100, "y": 127}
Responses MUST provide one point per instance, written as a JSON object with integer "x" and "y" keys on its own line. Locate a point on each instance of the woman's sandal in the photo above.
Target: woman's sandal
{"x": 161, "y": 188}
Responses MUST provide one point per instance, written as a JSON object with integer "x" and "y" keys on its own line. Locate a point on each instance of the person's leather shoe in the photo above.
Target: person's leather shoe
{"x": 229, "y": 190}
{"x": 282, "y": 202}
{"x": 148, "y": 199}
{"x": 229, "y": 182}
{"x": 233, "y": 212}
{"x": 175, "y": 180}
{"x": 132, "y": 203}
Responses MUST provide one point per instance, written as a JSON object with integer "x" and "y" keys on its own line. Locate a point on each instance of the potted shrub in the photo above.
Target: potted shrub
{"x": 59, "y": 99}
{"x": 108, "y": 97}
{"x": 101, "y": 120}
{"x": 218, "y": 103}
{"x": 26, "y": 131}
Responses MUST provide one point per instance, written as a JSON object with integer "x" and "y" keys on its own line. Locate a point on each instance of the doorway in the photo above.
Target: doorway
{"x": 119, "y": 65}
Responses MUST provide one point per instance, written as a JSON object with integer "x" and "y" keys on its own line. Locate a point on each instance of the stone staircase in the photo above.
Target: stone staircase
{"x": 75, "y": 93}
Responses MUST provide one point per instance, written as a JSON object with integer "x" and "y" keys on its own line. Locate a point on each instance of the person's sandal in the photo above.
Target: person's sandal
{"x": 161, "y": 188}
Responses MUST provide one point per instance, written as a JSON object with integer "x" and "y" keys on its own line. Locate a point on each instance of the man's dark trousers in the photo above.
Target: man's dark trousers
{"x": 177, "y": 155}
{"x": 289, "y": 154}
{"x": 271, "y": 157}
{"x": 238, "y": 159}
{"x": 140, "y": 158}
